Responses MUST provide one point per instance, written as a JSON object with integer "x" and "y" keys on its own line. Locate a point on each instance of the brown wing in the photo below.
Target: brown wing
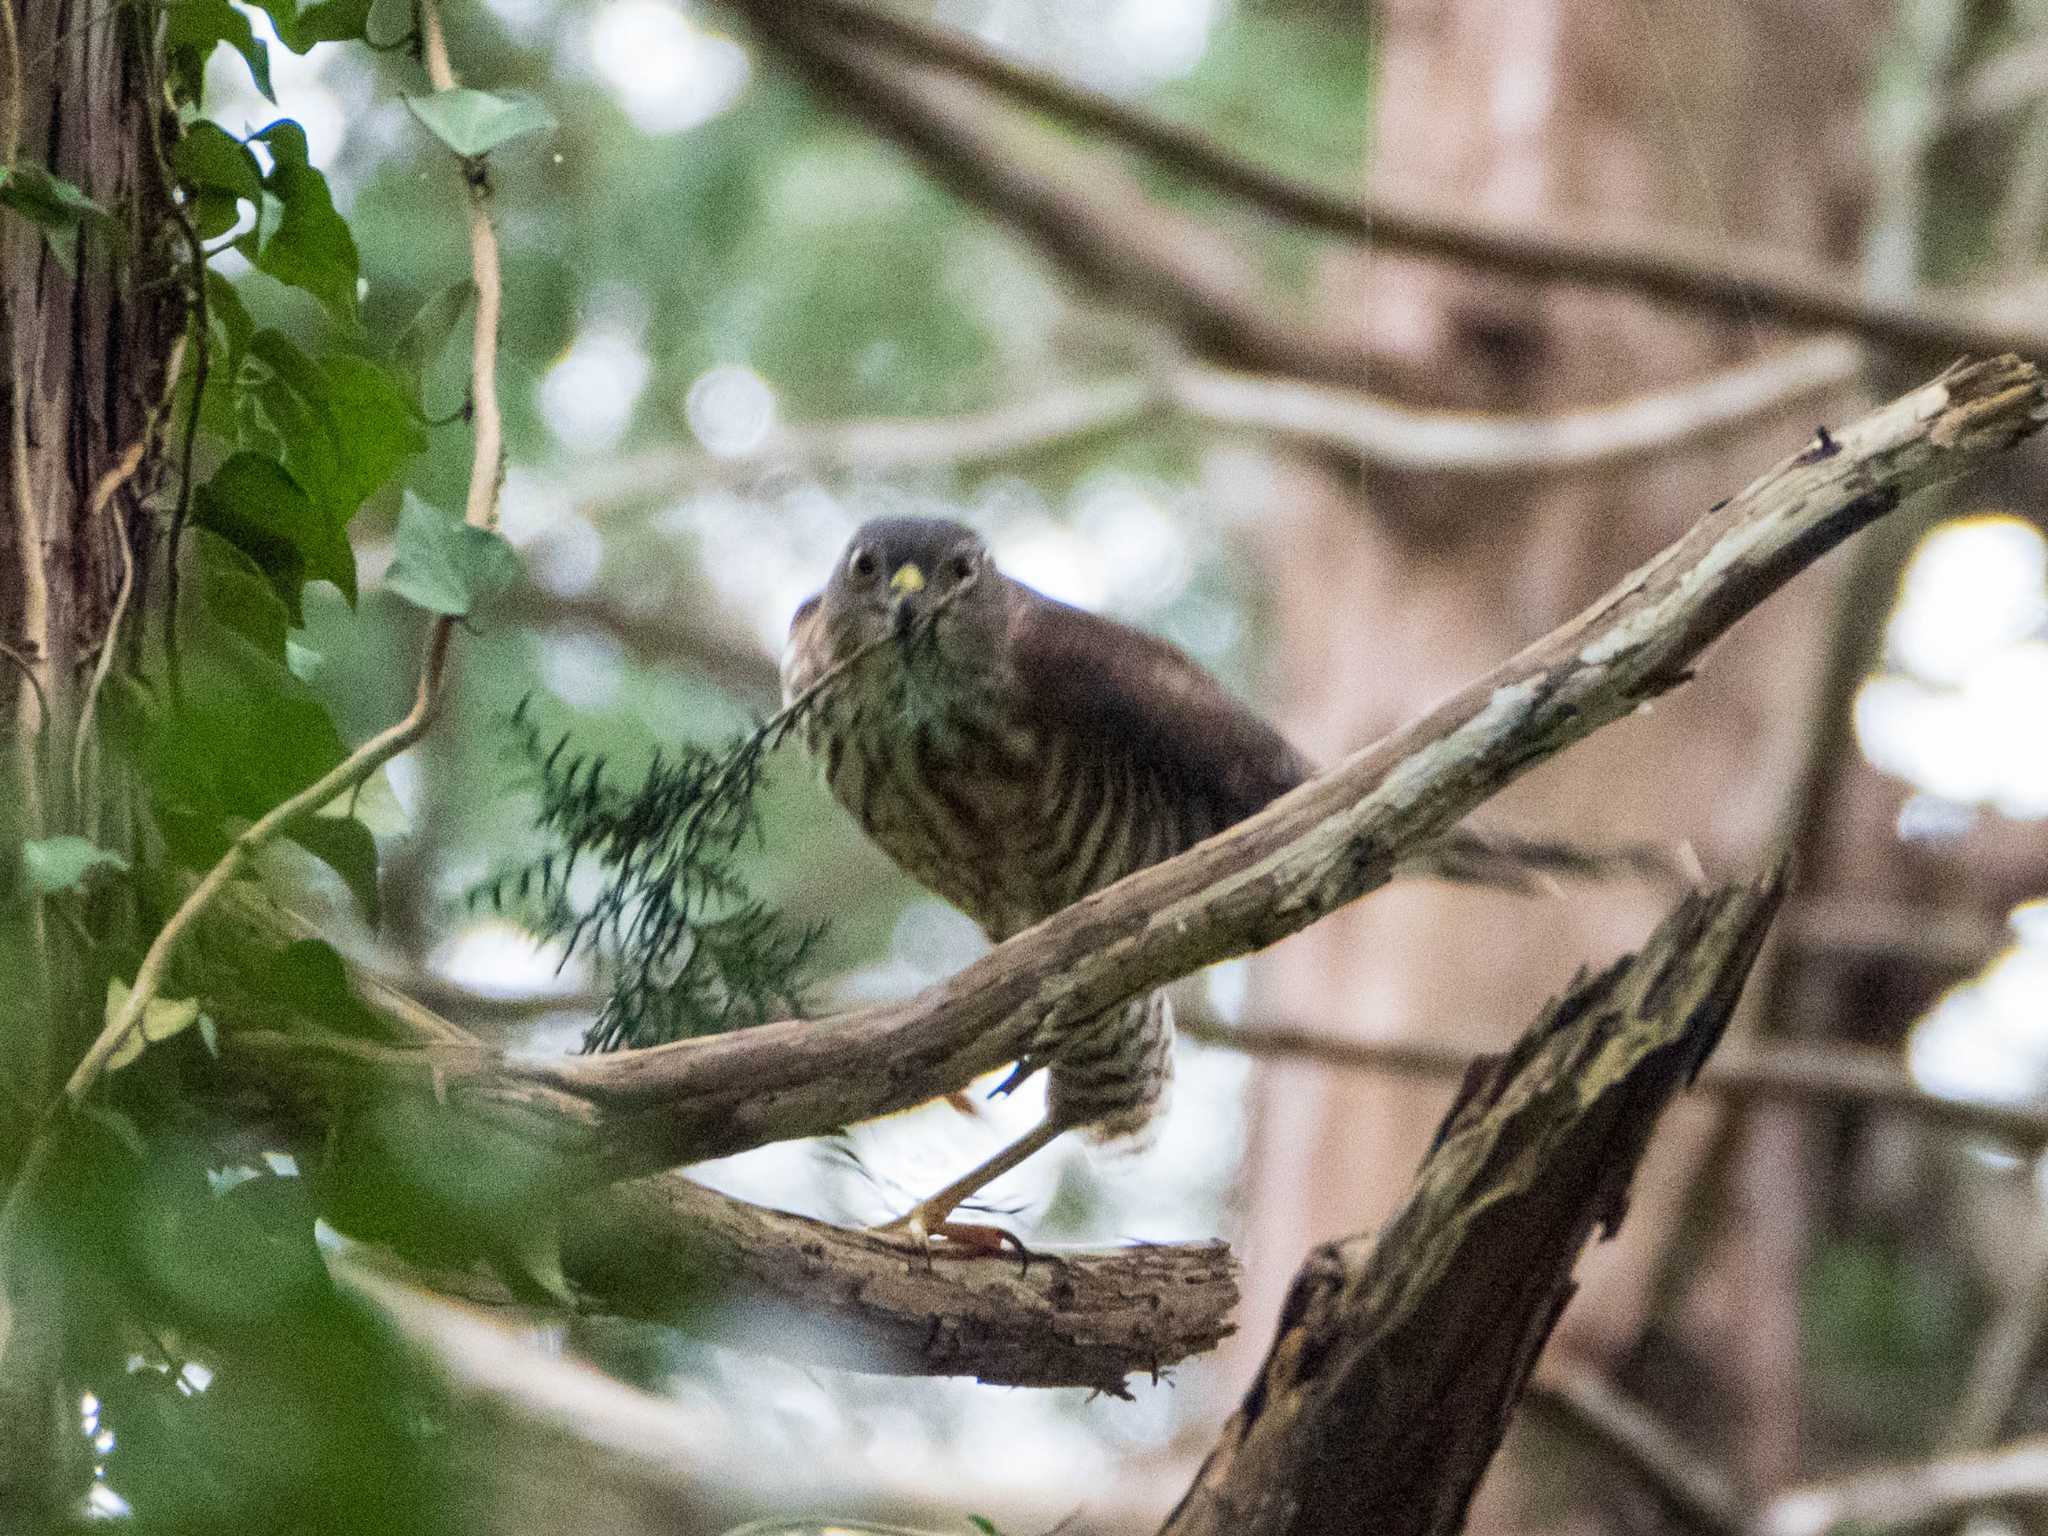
{"x": 1126, "y": 696}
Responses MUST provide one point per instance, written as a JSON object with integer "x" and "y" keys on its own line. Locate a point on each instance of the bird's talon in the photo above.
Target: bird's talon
{"x": 977, "y": 1236}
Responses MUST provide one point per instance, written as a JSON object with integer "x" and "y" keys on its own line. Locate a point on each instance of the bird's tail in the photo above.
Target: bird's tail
{"x": 1513, "y": 862}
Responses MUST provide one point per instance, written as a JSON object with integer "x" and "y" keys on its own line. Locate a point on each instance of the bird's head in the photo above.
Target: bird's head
{"x": 927, "y": 583}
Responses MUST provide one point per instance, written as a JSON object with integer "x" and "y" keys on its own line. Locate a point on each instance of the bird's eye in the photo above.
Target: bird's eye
{"x": 862, "y": 563}
{"x": 963, "y": 567}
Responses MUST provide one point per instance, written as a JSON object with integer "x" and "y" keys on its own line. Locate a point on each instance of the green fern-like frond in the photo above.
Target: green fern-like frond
{"x": 683, "y": 943}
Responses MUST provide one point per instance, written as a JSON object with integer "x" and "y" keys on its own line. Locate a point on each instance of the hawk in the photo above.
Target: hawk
{"x": 1014, "y": 753}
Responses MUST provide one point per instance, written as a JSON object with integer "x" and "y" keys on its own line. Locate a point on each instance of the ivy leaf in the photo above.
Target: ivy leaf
{"x": 161, "y": 1019}
{"x": 345, "y": 846}
{"x": 259, "y": 508}
{"x": 474, "y": 123}
{"x": 228, "y": 316}
{"x": 202, "y": 25}
{"x": 327, "y": 21}
{"x": 420, "y": 344}
{"x": 343, "y": 425}
{"x": 238, "y": 596}
{"x": 310, "y": 247}
{"x": 219, "y": 174}
{"x": 58, "y": 864}
{"x": 209, "y": 156}
{"x": 380, "y": 430}
{"x": 444, "y": 565}
{"x": 59, "y": 207}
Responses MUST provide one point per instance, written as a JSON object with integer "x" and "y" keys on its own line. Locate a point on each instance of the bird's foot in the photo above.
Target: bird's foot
{"x": 922, "y": 1223}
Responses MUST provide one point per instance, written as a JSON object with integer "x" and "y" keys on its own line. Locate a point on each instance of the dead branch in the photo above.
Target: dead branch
{"x": 804, "y": 1290}
{"x": 1681, "y": 267}
{"x": 1329, "y": 842}
{"x": 1369, "y": 428}
{"x": 1847, "y": 1076}
{"x": 667, "y": 1250}
{"x": 1399, "y": 1360}
{"x": 700, "y": 637}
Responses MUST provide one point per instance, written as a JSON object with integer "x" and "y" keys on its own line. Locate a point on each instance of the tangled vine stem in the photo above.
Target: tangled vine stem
{"x": 487, "y": 473}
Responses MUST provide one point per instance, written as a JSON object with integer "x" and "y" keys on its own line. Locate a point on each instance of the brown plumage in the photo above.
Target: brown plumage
{"x": 1014, "y": 753}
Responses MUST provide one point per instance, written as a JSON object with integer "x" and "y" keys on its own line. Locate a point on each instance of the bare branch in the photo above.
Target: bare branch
{"x": 696, "y": 636}
{"x": 658, "y": 1248}
{"x": 667, "y": 1250}
{"x": 1399, "y": 1360}
{"x": 1326, "y": 844}
{"x": 1837, "y": 1074}
{"x": 1471, "y": 443}
{"x": 1372, "y": 429}
{"x": 1682, "y": 267}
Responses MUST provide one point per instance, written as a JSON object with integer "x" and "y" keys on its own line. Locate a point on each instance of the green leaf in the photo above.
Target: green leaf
{"x": 219, "y": 174}
{"x": 201, "y": 25}
{"x": 161, "y": 1019}
{"x": 344, "y": 425}
{"x": 327, "y": 21}
{"x": 420, "y": 344}
{"x": 259, "y": 508}
{"x": 379, "y": 429}
{"x": 444, "y": 565}
{"x": 474, "y": 123}
{"x": 310, "y": 247}
{"x": 309, "y": 979}
{"x": 228, "y": 316}
{"x": 53, "y": 203}
{"x": 237, "y": 595}
{"x": 345, "y": 846}
{"x": 210, "y": 156}
{"x": 57, "y": 864}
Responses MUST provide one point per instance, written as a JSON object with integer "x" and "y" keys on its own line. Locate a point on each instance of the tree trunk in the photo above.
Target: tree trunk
{"x": 1555, "y": 110}
{"x": 86, "y": 356}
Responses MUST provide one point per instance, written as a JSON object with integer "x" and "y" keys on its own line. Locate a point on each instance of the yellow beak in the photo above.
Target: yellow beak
{"x": 908, "y": 578}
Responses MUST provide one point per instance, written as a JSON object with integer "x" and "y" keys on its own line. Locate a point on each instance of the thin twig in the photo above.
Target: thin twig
{"x": 1844, "y": 1075}
{"x": 1913, "y": 1496}
{"x": 487, "y": 469}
